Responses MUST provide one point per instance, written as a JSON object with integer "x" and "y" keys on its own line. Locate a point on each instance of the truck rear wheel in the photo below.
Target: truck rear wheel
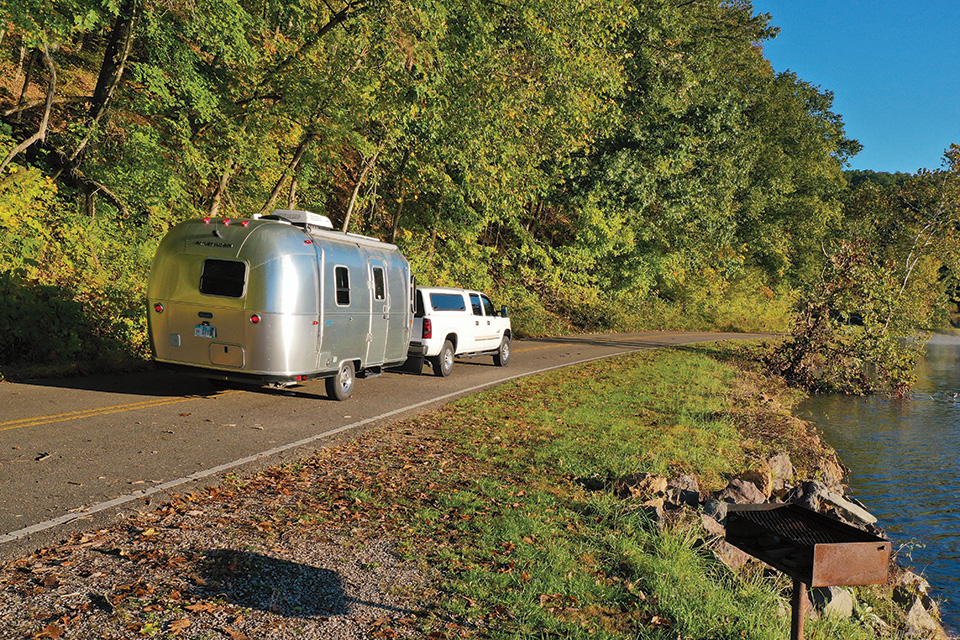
{"x": 340, "y": 387}
{"x": 502, "y": 356}
{"x": 443, "y": 363}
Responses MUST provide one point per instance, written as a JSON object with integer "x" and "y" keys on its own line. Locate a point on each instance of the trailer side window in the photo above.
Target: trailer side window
{"x": 223, "y": 278}
{"x": 342, "y": 277}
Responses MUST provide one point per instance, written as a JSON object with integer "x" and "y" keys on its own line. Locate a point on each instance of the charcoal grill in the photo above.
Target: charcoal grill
{"x": 813, "y": 549}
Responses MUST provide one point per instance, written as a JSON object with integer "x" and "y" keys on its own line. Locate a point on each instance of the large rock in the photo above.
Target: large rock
{"x": 650, "y": 488}
{"x": 818, "y": 497}
{"x": 909, "y": 586}
{"x": 920, "y": 624}
{"x": 684, "y": 490}
{"x": 832, "y": 473}
{"x": 781, "y": 471}
{"x": 832, "y": 601}
{"x": 762, "y": 480}
{"x": 742, "y": 492}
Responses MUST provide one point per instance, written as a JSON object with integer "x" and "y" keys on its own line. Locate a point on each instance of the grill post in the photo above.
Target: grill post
{"x": 798, "y": 609}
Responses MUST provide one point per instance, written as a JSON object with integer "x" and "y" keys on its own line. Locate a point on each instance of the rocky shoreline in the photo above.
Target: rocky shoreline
{"x": 775, "y": 480}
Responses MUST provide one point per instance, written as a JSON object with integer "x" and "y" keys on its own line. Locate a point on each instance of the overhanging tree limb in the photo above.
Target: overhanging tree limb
{"x": 41, "y": 133}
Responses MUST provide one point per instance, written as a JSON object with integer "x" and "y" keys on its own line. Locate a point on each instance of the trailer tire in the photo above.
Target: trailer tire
{"x": 443, "y": 363}
{"x": 502, "y": 356}
{"x": 340, "y": 387}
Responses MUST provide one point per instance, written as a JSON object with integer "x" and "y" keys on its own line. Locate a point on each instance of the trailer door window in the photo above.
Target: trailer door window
{"x": 342, "y": 278}
{"x": 379, "y": 288}
{"x": 223, "y": 278}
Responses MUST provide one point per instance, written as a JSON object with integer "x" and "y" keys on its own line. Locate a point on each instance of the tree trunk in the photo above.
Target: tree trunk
{"x": 111, "y": 71}
{"x": 367, "y": 168}
{"x": 27, "y": 76}
{"x": 217, "y": 201}
{"x": 290, "y": 170}
{"x": 395, "y": 225}
{"x": 292, "y": 194}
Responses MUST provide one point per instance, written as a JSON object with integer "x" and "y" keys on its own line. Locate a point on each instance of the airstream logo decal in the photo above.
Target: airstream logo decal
{"x": 207, "y": 243}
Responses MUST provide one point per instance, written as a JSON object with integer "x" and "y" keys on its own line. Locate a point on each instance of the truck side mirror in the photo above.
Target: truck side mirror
{"x": 504, "y": 312}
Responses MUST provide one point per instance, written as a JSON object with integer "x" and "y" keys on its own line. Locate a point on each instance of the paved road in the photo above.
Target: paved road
{"x": 74, "y": 453}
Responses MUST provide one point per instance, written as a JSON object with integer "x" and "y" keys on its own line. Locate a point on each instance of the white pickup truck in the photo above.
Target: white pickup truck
{"x": 449, "y": 323}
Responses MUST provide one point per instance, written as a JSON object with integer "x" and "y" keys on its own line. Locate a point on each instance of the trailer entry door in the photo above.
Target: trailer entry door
{"x": 379, "y": 312}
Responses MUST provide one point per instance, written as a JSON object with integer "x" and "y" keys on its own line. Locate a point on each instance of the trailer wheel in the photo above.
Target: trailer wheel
{"x": 340, "y": 387}
{"x": 443, "y": 363}
{"x": 502, "y": 356}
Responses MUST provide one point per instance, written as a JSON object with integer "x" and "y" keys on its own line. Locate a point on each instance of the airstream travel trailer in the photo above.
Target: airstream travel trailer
{"x": 278, "y": 299}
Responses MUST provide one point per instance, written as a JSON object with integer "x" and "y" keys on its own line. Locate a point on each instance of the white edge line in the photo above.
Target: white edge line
{"x": 199, "y": 475}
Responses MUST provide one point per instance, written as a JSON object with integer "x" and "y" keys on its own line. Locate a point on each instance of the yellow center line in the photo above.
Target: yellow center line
{"x": 549, "y": 346}
{"x": 90, "y": 413}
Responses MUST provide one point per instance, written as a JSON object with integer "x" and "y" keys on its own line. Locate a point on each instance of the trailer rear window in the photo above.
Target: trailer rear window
{"x": 447, "y": 302}
{"x": 223, "y": 278}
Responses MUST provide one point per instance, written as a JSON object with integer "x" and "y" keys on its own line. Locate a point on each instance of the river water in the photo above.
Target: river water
{"x": 904, "y": 462}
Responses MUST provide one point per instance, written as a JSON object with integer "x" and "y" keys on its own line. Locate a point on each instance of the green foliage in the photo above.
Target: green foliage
{"x": 890, "y": 274}
{"x": 595, "y": 165}
{"x": 849, "y": 329}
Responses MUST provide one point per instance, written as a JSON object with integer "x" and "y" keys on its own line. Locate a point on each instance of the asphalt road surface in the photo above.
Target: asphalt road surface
{"x": 75, "y": 453}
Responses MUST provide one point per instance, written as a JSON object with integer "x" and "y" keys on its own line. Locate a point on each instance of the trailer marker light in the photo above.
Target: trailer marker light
{"x": 158, "y": 308}
{"x": 308, "y": 241}
{"x": 206, "y": 221}
{"x": 245, "y": 223}
{"x": 255, "y": 318}
{"x": 226, "y": 222}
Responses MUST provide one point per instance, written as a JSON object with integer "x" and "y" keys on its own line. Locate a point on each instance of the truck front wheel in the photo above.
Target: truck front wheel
{"x": 340, "y": 386}
{"x": 443, "y": 364}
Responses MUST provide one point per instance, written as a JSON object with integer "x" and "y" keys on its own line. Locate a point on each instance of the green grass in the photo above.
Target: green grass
{"x": 528, "y": 552}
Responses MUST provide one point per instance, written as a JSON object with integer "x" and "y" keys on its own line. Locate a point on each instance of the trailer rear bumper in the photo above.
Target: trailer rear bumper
{"x": 243, "y": 377}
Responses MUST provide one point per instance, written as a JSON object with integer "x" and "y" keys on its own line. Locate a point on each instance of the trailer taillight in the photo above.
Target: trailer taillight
{"x": 255, "y": 318}
{"x": 427, "y": 328}
{"x": 158, "y": 308}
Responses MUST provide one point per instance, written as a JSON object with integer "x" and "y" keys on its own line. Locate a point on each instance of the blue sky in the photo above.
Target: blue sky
{"x": 893, "y": 67}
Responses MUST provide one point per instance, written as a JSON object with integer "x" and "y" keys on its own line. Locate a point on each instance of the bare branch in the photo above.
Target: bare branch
{"x": 41, "y": 133}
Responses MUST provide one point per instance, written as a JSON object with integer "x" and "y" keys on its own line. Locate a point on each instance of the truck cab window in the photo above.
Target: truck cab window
{"x": 488, "y": 308}
{"x": 342, "y": 281}
{"x": 475, "y": 303}
{"x": 446, "y": 302}
{"x": 223, "y": 278}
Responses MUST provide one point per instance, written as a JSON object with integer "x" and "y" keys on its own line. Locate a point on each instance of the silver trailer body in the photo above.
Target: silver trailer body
{"x": 264, "y": 300}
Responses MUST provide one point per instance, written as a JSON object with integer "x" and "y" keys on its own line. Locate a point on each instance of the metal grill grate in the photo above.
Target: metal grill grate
{"x": 792, "y": 526}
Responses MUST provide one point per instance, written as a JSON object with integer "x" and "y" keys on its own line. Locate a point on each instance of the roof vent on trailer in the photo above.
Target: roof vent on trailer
{"x": 306, "y": 219}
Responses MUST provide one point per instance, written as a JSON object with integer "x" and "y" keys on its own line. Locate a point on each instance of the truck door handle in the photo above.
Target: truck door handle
{"x": 478, "y": 323}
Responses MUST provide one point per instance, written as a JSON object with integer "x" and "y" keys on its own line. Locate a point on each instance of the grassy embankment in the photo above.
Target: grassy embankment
{"x": 506, "y": 498}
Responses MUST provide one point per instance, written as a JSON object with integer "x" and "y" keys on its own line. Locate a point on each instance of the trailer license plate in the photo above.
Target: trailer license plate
{"x": 204, "y": 331}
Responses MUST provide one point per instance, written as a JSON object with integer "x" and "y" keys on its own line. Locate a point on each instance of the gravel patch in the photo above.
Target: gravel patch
{"x": 289, "y": 553}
